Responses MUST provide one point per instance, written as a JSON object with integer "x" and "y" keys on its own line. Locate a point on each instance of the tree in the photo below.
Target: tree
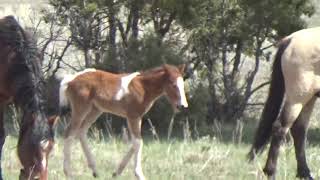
{"x": 224, "y": 40}
{"x": 226, "y": 33}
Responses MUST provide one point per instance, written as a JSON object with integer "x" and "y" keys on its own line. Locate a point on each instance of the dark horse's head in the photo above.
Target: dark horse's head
{"x": 36, "y": 136}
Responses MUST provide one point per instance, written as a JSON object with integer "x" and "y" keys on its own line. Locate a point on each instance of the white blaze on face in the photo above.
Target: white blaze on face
{"x": 44, "y": 161}
{"x": 183, "y": 99}
{"x": 124, "y": 86}
{"x": 44, "y": 145}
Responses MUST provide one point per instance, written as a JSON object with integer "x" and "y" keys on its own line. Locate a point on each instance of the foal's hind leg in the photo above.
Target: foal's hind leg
{"x": 289, "y": 114}
{"x": 299, "y": 132}
{"x": 87, "y": 122}
{"x": 2, "y": 137}
{"x": 136, "y": 148}
{"x": 77, "y": 115}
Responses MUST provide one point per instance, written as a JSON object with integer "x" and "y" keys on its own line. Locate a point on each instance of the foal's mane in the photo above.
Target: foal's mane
{"x": 26, "y": 76}
{"x": 151, "y": 72}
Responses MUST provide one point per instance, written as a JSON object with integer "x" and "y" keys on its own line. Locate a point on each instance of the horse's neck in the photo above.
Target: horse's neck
{"x": 154, "y": 85}
{"x": 35, "y": 122}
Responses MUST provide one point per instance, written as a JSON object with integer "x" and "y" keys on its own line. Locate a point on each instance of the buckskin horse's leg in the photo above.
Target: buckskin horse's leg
{"x": 2, "y": 136}
{"x": 289, "y": 114}
{"x": 299, "y": 131}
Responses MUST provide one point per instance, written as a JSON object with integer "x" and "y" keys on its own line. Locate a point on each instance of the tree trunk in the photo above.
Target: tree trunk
{"x": 87, "y": 59}
{"x": 135, "y": 19}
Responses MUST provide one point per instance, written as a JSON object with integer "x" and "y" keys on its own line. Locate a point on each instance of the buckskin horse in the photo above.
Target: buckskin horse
{"x": 91, "y": 92}
{"x": 295, "y": 85}
{"x": 21, "y": 83}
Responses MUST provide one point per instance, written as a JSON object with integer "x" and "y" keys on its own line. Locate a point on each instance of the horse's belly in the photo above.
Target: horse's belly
{"x": 110, "y": 107}
{"x": 299, "y": 82}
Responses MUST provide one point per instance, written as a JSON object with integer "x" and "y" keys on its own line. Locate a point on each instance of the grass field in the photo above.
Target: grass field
{"x": 202, "y": 159}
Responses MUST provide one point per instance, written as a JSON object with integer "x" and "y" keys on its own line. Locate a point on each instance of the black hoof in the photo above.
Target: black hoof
{"x": 306, "y": 177}
{"x": 304, "y": 174}
{"x": 251, "y": 156}
{"x": 95, "y": 174}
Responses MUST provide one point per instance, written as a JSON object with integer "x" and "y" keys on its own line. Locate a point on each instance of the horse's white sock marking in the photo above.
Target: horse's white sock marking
{"x": 124, "y": 87}
{"x": 138, "y": 143}
{"x": 87, "y": 152}
{"x": 64, "y": 85}
{"x": 67, "y": 154}
{"x": 183, "y": 99}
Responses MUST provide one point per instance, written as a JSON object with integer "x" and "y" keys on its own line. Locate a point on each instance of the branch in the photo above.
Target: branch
{"x": 269, "y": 46}
{"x": 164, "y": 30}
{"x": 259, "y": 87}
{"x": 122, "y": 33}
{"x": 59, "y": 58}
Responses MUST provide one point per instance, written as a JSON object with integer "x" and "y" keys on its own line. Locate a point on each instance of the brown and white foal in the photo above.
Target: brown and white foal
{"x": 92, "y": 92}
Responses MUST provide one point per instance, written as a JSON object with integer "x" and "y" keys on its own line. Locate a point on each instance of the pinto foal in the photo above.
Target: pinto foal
{"x": 92, "y": 92}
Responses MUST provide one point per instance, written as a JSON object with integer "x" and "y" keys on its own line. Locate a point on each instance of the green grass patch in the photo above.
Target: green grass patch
{"x": 205, "y": 158}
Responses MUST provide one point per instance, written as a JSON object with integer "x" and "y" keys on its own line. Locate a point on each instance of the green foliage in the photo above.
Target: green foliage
{"x": 228, "y": 31}
{"x": 218, "y": 37}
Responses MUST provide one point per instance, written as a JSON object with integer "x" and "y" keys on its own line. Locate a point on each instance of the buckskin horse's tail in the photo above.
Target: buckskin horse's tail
{"x": 273, "y": 104}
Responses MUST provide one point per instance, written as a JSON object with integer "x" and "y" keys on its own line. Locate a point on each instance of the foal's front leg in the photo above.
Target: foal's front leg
{"x": 136, "y": 148}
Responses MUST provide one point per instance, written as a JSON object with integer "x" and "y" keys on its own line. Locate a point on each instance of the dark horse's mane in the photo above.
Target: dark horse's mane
{"x": 27, "y": 79}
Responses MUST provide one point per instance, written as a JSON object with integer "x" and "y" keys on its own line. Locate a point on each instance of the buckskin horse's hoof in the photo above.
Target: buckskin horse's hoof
{"x": 304, "y": 174}
{"x": 307, "y": 178}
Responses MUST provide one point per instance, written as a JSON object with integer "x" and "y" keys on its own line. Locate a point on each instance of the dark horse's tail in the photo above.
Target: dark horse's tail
{"x": 273, "y": 104}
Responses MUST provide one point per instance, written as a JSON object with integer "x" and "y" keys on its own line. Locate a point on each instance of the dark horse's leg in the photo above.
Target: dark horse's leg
{"x": 289, "y": 114}
{"x": 299, "y": 132}
{"x": 2, "y": 137}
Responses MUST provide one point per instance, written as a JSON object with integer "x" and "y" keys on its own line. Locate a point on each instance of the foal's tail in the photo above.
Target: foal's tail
{"x": 273, "y": 104}
{"x": 63, "y": 99}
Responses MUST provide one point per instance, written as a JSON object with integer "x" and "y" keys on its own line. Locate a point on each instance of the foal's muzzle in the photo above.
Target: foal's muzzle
{"x": 181, "y": 107}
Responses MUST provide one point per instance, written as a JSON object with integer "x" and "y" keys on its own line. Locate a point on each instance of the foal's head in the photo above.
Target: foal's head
{"x": 174, "y": 86}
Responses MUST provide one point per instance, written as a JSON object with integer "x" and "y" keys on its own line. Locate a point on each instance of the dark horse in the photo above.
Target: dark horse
{"x": 21, "y": 83}
{"x": 295, "y": 85}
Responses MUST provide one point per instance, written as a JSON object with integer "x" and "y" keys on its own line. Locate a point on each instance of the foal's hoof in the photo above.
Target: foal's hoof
{"x": 94, "y": 174}
{"x": 273, "y": 177}
{"x": 114, "y": 175}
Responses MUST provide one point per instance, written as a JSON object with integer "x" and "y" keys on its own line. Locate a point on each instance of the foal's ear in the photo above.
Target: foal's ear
{"x": 182, "y": 68}
{"x": 52, "y": 120}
